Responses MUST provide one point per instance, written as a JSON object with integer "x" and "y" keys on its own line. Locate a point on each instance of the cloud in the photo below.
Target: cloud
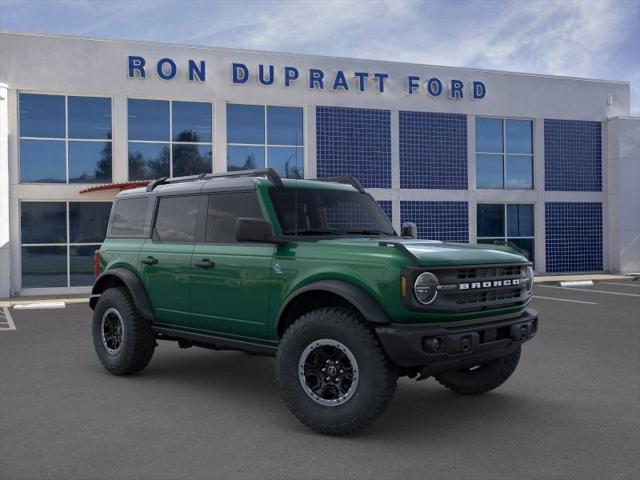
{"x": 588, "y": 38}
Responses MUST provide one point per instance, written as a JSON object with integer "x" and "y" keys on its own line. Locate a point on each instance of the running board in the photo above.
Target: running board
{"x": 214, "y": 342}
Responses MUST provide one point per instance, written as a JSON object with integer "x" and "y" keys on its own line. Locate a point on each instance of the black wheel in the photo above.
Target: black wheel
{"x": 332, "y": 372}
{"x": 123, "y": 341}
{"x": 480, "y": 378}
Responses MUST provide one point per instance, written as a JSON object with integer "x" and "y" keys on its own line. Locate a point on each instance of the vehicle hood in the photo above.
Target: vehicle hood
{"x": 436, "y": 253}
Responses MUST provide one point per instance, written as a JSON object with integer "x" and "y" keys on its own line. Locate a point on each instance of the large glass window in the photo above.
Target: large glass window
{"x": 498, "y": 223}
{"x": 65, "y": 139}
{"x": 224, "y": 210}
{"x": 504, "y": 153}
{"x": 58, "y": 240}
{"x": 169, "y": 139}
{"x": 259, "y": 136}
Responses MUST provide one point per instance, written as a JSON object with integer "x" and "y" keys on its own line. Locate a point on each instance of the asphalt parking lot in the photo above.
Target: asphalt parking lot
{"x": 571, "y": 410}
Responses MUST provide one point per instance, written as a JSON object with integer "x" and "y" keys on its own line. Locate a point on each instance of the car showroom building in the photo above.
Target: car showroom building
{"x": 549, "y": 163}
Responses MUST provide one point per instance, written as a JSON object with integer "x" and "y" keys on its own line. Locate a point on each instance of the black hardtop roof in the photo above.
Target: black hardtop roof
{"x": 228, "y": 181}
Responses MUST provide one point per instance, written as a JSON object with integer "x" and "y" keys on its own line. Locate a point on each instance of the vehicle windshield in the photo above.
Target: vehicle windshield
{"x": 311, "y": 211}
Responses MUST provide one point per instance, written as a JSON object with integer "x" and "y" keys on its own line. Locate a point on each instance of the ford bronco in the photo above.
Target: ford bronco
{"x": 312, "y": 272}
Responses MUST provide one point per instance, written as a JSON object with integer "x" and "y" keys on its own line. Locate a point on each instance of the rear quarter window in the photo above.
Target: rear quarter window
{"x": 129, "y": 218}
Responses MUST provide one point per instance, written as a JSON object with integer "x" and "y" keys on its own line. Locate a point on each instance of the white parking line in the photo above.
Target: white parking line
{"x": 564, "y": 300}
{"x": 589, "y": 290}
{"x": 623, "y": 284}
{"x": 6, "y": 322}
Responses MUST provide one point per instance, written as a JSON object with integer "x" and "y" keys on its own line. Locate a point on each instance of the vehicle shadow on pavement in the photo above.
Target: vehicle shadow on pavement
{"x": 246, "y": 384}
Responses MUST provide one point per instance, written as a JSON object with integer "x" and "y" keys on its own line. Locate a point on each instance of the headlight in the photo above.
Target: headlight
{"x": 425, "y": 288}
{"x": 529, "y": 279}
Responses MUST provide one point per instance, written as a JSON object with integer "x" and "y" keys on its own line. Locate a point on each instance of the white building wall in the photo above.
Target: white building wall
{"x": 47, "y": 64}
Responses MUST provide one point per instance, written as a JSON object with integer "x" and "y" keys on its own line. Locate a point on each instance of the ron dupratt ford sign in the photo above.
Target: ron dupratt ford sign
{"x": 313, "y": 78}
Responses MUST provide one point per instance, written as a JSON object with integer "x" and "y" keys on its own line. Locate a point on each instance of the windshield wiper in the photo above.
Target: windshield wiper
{"x": 317, "y": 231}
{"x": 368, "y": 231}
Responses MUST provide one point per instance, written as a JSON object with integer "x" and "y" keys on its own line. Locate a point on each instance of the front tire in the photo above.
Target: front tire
{"x": 480, "y": 378}
{"x": 122, "y": 339}
{"x": 332, "y": 372}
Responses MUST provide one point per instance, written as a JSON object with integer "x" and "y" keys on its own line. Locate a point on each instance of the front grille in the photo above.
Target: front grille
{"x": 489, "y": 273}
{"x": 474, "y": 288}
{"x": 488, "y": 297}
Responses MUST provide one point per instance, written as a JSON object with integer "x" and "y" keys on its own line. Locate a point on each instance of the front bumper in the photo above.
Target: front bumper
{"x": 455, "y": 345}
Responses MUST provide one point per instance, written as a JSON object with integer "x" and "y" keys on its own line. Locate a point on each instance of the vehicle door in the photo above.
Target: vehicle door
{"x": 165, "y": 258}
{"x": 230, "y": 280}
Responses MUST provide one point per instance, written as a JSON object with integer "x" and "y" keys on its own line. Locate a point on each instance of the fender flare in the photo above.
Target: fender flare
{"x": 133, "y": 284}
{"x": 361, "y": 300}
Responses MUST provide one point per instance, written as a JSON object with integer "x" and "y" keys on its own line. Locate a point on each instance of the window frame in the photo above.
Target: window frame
{"x": 66, "y": 139}
{"x": 504, "y": 154}
{"x": 506, "y": 235}
{"x": 266, "y": 145}
{"x": 170, "y": 142}
{"x": 67, "y": 244}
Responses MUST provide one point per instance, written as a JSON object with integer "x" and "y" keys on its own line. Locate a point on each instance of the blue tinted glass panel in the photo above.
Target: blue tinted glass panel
{"x": 44, "y": 267}
{"x": 89, "y": 162}
{"x": 42, "y": 161}
{"x": 148, "y": 120}
{"x": 88, "y": 221}
{"x": 81, "y": 265}
{"x": 41, "y": 115}
{"x": 89, "y": 117}
{"x": 191, "y": 159}
{"x": 284, "y": 126}
{"x": 244, "y": 158}
{"x": 191, "y": 122}
{"x": 148, "y": 160}
{"x": 387, "y": 208}
{"x": 572, "y": 155}
{"x": 489, "y": 135}
{"x": 433, "y": 150}
{"x": 43, "y": 222}
{"x": 573, "y": 236}
{"x": 354, "y": 141}
{"x": 519, "y": 171}
{"x": 245, "y": 124}
{"x": 490, "y": 220}
{"x": 519, "y": 136}
{"x": 288, "y": 161}
{"x": 489, "y": 171}
{"x": 520, "y": 220}
{"x": 446, "y": 221}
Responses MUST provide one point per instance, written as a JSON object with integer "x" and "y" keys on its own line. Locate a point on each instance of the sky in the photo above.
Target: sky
{"x": 579, "y": 38}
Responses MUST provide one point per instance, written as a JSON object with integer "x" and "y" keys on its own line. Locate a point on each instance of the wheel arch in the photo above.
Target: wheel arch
{"x": 123, "y": 277}
{"x": 329, "y": 292}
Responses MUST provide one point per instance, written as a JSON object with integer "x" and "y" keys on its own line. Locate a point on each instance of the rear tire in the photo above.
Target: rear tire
{"x": 358, "y": 381}
{"x": 122, "y": 339}
{"x": 482, "y": 378}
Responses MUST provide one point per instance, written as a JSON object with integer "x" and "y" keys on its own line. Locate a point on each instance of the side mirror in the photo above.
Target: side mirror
{"x": 409, "y": 230}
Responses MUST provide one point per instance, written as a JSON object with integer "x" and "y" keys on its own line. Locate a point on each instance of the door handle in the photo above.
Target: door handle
{"x": 205, "y": 263}
{"x": 149, "y": 260}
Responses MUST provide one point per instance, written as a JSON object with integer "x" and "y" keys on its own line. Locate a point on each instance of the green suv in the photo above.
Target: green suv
{"x": 312, "y": 272}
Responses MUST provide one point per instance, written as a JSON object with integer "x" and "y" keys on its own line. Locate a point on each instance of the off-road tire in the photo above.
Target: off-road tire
{"x": 377, "y": 377}
{"x": 138, "y": 341}
{"x": 487, "y": 377}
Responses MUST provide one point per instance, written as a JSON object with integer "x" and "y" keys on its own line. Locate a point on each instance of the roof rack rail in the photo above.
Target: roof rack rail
{"x": 269, "y": 173}
{"x": 347, "y": 179}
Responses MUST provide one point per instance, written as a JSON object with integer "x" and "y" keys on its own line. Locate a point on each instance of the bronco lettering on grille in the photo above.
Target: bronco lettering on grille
{"x": 490, "y": 284}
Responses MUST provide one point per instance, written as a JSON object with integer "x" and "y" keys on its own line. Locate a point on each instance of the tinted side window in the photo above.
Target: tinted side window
{"x": 176, "y": 219}
{"x": 224, "y": 210}
{"x": 129, "y": 217}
